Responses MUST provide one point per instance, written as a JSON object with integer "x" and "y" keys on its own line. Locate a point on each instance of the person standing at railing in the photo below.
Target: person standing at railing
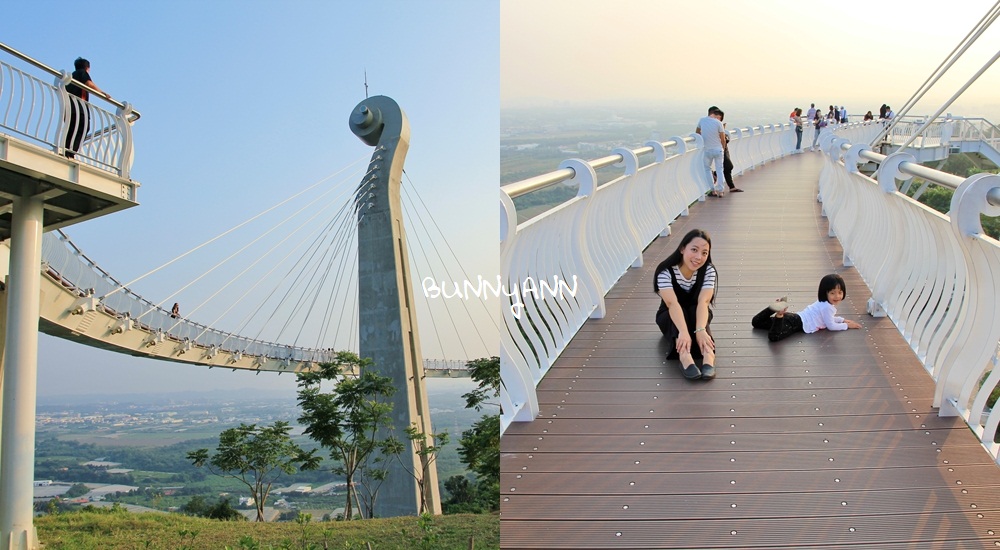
{"x": 869, "y": 116}
{"x": 795, "y": 117}
{"x": 818, "y": 123}
{"x": 685, "y": 282}
{"x": 811, "y": 113}
{"x": 713, "y": 134}
{"x": 843, "y": 114}
{"x": 79, "y": 115}
{"x": 727, "y": 163}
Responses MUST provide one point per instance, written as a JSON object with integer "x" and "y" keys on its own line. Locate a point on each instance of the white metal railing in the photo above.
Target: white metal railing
{"x": 933, "y": 275}
{"x": 39, "y": 112}
{"x": 74, "y": 270}
{"x": 588, "y": 242}
{"x": 73, "y": 267}
{"x": 946, "y": 130}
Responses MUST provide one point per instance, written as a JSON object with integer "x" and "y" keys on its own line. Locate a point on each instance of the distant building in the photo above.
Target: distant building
{"x": 42, "y": 483}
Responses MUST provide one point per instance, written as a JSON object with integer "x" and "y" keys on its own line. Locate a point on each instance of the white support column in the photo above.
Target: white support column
{"x": 20, "y": 376}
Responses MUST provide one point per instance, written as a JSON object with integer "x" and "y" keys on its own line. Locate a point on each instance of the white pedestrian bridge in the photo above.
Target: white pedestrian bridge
{"x": 873, "y": 438}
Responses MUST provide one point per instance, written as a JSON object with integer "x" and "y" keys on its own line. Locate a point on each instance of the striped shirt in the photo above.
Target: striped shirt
{"x": 663, "y": 281}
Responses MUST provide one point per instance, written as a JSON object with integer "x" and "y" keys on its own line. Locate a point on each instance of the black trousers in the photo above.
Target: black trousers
{"x": 778, "y": 328}
{"x": 670, "y": 331}
{"x": 79, "y": 124}
{"x": 727, "y": 169}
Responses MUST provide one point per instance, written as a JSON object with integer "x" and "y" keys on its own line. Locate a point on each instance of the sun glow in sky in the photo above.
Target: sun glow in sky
{"x": 851, "y": 52}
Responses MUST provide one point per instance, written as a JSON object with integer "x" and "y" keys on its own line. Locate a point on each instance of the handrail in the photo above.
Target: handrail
{"x": 933, "y": 275}
{"x": 44, "y": 113}
{"x": 542, "y": 181}
{"x": 914, "y": 169}
{"x": 133, "y": 114}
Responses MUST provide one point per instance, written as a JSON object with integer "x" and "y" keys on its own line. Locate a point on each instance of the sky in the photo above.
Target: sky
{"x": 855, "y": 53}
{"x": 246, "y": 103}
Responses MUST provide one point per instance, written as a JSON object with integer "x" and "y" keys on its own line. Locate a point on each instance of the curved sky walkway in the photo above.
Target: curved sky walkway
{"x": 819, "y": 441}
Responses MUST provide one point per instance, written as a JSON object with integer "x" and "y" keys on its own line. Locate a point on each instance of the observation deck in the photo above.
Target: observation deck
{"x": 858, "y": 438}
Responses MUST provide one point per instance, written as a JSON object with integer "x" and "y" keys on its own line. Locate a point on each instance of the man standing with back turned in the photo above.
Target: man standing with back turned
{"x": 714, "y": 136}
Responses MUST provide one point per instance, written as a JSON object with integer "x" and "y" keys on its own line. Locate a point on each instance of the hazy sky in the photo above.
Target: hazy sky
{"x": 245, "y": 103}
{"x": 851, "y": 52}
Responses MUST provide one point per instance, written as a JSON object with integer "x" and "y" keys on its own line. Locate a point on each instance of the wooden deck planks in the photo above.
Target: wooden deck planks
{"x": 819, "y": 441}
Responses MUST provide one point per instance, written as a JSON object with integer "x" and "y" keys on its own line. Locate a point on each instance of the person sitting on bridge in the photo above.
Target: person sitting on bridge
{"x": 685, "y": 282}
{"x": 822, "y": 314}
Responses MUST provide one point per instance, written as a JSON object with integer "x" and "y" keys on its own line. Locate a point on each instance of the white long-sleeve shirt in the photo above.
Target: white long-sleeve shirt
{"x": 820, "y": 315}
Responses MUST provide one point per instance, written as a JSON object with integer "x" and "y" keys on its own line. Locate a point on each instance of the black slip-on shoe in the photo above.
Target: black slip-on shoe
{"x": 691, "y": 372}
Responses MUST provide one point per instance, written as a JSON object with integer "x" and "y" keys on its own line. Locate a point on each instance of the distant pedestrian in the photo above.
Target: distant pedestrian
{"x": 819, "y": 123}
{"x": 795, "y": 117}
{"x": 811, "y": 113}
{"x": 882, "y": 110}
{"x": 713, "y": 134}
{"x": 79, "y": 113}
{"x": 727, "y": 163}
{"x": 843, "y": 114}
{"x": 869, "y": 116}
{"x": 175, "y": 311}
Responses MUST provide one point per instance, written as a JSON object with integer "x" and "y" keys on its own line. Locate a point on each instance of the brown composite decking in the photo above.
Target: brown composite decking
{"x": 820, "y": 441}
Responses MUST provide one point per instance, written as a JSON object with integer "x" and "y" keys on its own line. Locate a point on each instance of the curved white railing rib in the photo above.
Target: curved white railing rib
{"x": 40, "y": 112}
{"x": 936, "y": 276}
{"x": 588, "y": 242}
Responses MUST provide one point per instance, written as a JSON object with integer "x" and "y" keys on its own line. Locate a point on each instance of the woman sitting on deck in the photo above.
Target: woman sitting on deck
{"x": 686, "y": 283}
{"x": 821, "y": 314}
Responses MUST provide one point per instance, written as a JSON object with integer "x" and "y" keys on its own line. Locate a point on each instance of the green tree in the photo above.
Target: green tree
{"x": 77, "y": 490}
{"x": 197, "y": 506}
{"x": 224, "y": 511}
{"x": 479, "y": 447}
{"x": 348, "y": 420}
{"x": 427, "y": 451}
{"x": 257, "y": 457}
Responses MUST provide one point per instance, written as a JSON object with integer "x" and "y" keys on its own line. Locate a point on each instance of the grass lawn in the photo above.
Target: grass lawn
{"x": 107, "y": 530}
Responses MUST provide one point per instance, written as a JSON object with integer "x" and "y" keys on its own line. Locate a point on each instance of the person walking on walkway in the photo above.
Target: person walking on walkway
{"x": 79, "y": 115}
{"x": 685, "y": 282}
{"x": 713, "y": 134}
{"x": 821, "y": 314}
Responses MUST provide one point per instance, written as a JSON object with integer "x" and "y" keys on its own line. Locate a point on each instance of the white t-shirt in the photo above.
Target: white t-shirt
{"x": 710, "y": 129}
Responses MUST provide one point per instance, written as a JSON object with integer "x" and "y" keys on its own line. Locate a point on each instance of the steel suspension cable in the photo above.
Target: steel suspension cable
{"x": 233, "y": 255}
{"x": 217, "y": 237}
{"x": 261, "y": 258}
{"x": 454, "y": 256}
{"x": 950, "y": 60}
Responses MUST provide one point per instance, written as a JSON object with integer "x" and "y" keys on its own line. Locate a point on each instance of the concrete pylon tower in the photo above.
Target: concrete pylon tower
{"x": 387, "y": 320}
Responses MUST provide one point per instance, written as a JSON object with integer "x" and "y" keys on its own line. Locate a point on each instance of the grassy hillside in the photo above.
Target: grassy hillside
{"x": 113, "y": 530}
